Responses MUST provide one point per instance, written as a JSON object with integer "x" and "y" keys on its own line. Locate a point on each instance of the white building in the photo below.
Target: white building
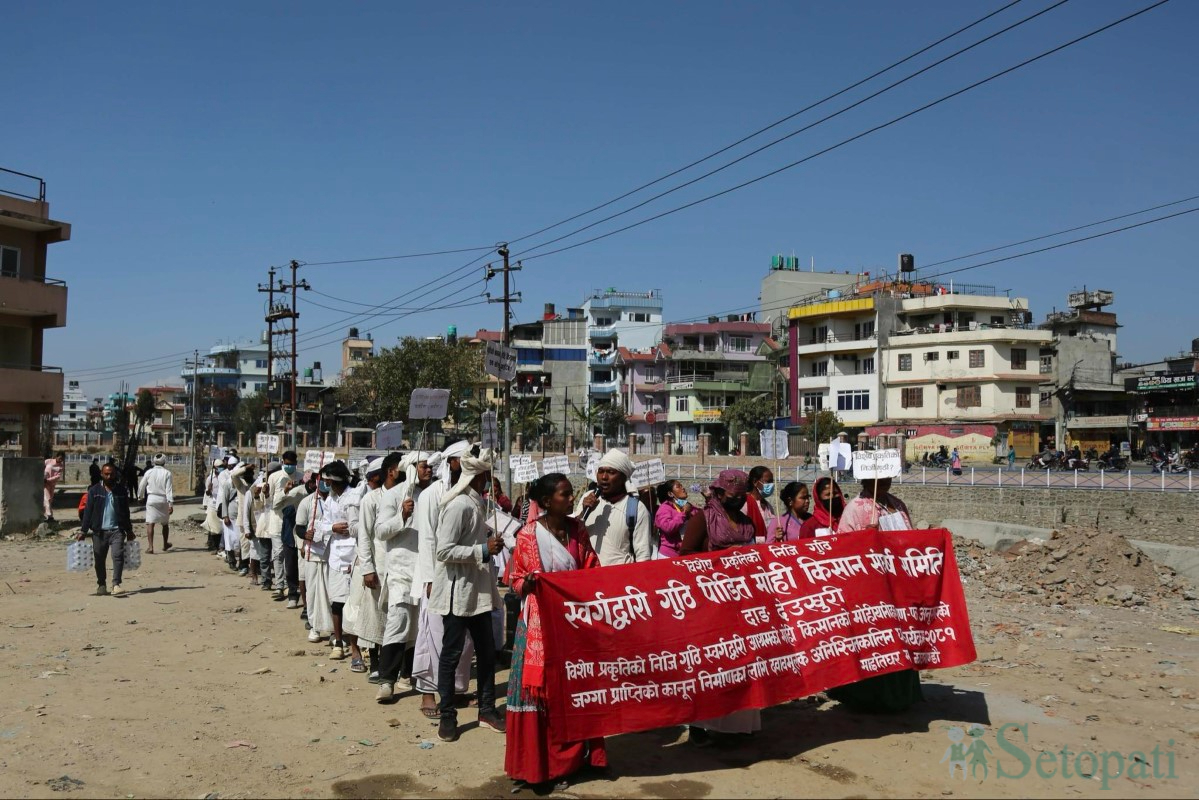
{"x": 617, "y": 319}
{"x": 74, "y": 409}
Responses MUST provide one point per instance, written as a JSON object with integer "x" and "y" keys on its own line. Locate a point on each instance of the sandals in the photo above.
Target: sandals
{"x": 356, "y": 665}
{"x": 431, "y": 712}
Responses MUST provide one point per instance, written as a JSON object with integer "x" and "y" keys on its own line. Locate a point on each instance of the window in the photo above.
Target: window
{"x": 1019, "y": 358}
{"x": 260, "y": 387}
{"x": 853, "y": 400}
{"x": 244, "y": 384}
{"x": 1023, "y": 397}
{"x": 709, "y": 343}
{"x": 260, "y": 363}
{"x": 638, "y": 316}
{"x": 680, "y": 404}
{"x": 691, "y": 342}
{"x": 1046, "y": 365}
{"x": 820, "y": 335}
{"x": 863, "y": 330}
{"x": 905, "y": 362}
{"x": 912, "y": 398}
{"x": 602, "y": 322}
{"x": 951, "y": 355}
{"x": 866, "y": 366}
{"x": 10, "y": 262}
{"x": 813, "y": 401}
{"x": 820, "y": 368}
{"x": 495, "y": 393}
{"x": 997, "y": 321}
{"x": 934, "y": 356}
{"x": 738, "y": 344}
{"x": 970, "y": 396}
{"x": 1046, "y": 398}
{"x": 602, "y": 375}
{"x": 976, "y": 359}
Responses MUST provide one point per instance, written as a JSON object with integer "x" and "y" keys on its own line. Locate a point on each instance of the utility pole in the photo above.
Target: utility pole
{"x": 508, "y": 299}
{"x": 277, "y": 312}
{"x": 270, "y": 343}
{"x": 195, "y": 365}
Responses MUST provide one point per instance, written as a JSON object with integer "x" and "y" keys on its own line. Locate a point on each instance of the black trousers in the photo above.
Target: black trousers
{"x": 456, "y": 629}
{"x": 291, "y": 566}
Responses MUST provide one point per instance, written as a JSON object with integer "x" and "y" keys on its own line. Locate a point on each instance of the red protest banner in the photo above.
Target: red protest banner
{"x": 659, "y": 643}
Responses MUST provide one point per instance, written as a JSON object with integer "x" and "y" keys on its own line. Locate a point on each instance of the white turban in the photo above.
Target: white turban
{"x": 374, "y": 466}
{"x": 471, "y": 468}
{"x": 231, "y": 461}
{"x": 410, "y": 460}
{"x": 617, "y": 460}
{"x": 160, "y": 460}
{"x": 220, "y": 462}
{"x": 456, "y": 450}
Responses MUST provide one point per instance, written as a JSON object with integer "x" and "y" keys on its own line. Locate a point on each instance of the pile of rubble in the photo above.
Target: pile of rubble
{"x": 1075, "y": 566}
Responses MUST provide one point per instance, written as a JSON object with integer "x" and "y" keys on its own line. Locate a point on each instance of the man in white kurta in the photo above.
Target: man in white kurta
{"x": 314, "y": 564}
{"x": 396, "y": 527}
{"x": 606, "y": 514}
{"x": 366, "y": 611}
{"x": 282, "y": 492}
{"x": 237, "y": 540}
{"x": 158, "y": 487}
{"x": 429, "y": 631}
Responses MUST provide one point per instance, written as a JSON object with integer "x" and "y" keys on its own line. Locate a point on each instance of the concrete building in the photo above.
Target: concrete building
{"x": 74, "y": 409}
{"x": 30, "y": 303}
{"x": 1086, "y": 403}
{"x": 617, "y": 319}
{"x": 552, "y": 366}
{"x": 709, "y": 366}
{"x": 229, "y": 372}
{"x": 787, "y": 284}
{"x": 1164, "y": 400}
{"x": 354, "y": 350}
{"x": 642, "y": 377}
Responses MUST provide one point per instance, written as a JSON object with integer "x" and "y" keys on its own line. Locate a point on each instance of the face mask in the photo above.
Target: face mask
{"x": 680, "y": 502}
{"x": 322, "y": 487}
{"x": 767, "y": 489}
{"x": 290, "y": 469}
{"x": 732, "y": 504}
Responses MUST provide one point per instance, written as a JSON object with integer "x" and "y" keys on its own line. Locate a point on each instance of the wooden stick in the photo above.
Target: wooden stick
{"x": 876, "y": 501}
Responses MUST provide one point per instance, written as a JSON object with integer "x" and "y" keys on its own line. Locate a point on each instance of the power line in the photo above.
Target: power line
{"x": 854, "y": 138}
{"x": 772, "y": 125}
{"x": 798, "y": 131}
{"x": 394, "y": 258}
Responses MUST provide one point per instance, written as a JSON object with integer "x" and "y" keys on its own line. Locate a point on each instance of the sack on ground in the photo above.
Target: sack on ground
{"x": 133, "y": 554}
{"x": 80, "y": 556}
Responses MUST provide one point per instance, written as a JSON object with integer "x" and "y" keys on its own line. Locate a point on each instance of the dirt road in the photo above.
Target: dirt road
{"x": 194, "y": 684}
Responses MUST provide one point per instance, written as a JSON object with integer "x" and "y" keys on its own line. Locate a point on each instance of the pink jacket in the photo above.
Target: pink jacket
{"x": 670, "y": 522}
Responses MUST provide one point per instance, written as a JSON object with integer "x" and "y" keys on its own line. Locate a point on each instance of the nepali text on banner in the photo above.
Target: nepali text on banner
{"x": 667, "y": 642}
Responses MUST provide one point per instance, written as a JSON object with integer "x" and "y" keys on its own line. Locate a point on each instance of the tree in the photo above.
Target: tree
{"x": 143, "y": 410}
{"x": 749, "y": 414}
{"x": 528, "y": 419}
{"x": 603, "y": 418}
{"x": 820, "y": 425}
{"x": 380, "y": 388}
{"x": 250, "y": 416}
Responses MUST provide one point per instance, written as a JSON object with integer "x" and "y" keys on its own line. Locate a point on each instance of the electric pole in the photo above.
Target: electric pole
{"x": 277, "y": 312}
{"x": 195, "y": 365}
{"x": 270, "y": 343}
{"x": 508, "y": 299}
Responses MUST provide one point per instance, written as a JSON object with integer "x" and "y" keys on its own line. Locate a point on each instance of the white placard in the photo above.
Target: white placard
{"x": 515, "y": 461}
{"x": 429, "y": 404}
{"x": 648, "y": 473}
{"x": 315, "y": 459}
{"x": 774, "y": 444}
{"x": 389, "y": 435}
{"x": 500, "y": 361}
{"x": 266, "y": 444}
{"x": 822, "y": 457}
{"x": 593, "y": 460}
{"x": 871, "y": 464}
{"x": 505, "y": 525}
{"x": 214, "y": 453}
{"x": 356, "y": 455}
{"x": 840, "y": 456}
{"x": 556, "y": 464}
{"x": 525, "y": 472}
{"x": 489, "y": 430}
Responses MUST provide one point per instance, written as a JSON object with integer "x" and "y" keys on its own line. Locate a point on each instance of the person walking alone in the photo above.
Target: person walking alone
{"x": 157, "y": 486}
{"x": 50, "y": 477}
{"x": 106, "y": 520}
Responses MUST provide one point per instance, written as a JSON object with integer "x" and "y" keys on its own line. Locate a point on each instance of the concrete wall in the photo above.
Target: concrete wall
{"x": 20, "y": 494}
{"x": 1164, "y": 517}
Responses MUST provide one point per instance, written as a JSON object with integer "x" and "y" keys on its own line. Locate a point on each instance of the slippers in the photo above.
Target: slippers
{"x": 431, "y": 713}
{"x": 356, "y": 665}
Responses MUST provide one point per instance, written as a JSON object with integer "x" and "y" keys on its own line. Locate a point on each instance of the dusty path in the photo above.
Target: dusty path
{"x": 144, "y": 695}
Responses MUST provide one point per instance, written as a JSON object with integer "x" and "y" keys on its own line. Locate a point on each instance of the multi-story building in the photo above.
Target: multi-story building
{"x": 709, "y": 366}
{"x": 30, "y": 303}
{"x": 551, "y": 366}
{"x": 489, "y": 390}
{"x": 642, "y": 376}
{"x": 354, "y": 350}
{"x": 944, "y": 364}
{"x": 74, "y": 409}
{"x": 787, "y": 285}
{"x": 1080, "y": 393}
{"x": 1164, "y": 396}
{"x": 617, "y": 319}
{"x": 229, "y": 372}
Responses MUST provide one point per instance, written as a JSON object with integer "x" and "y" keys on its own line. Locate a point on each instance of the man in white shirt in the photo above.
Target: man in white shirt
{"x": 157, "y": 486}
{"x": 366, "y": 611}
{"x": 397, "y": 527}
{"x": 464, "y": 594}
{"x": 607, "y": 510}
{"x": 282, "y": 491}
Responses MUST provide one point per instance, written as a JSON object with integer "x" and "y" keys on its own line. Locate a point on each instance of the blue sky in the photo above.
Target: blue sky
{"x": 191, "y": 146}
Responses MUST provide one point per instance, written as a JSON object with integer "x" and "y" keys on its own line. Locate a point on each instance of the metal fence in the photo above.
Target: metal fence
{"x": 992, "y": 478}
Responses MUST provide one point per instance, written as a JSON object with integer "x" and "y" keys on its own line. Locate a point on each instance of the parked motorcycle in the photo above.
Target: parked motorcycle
{"x": 1113, "y": 462}
{"x": 1168, "y": 464}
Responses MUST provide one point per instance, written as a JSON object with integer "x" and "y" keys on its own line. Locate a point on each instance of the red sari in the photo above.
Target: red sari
{"x": 530, "y": 754}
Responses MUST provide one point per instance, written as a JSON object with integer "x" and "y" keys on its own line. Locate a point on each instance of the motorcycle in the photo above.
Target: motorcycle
{"x": 1043, "y": 462}
{"x": 1167, "y": 464}
{"x": 1113, "y": 462}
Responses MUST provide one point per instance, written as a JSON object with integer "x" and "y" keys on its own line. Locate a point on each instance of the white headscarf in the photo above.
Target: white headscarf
{"x": 408, "y": 463}
{"x": 471, "y": 468}
{"x": 456, "y": 450}
{"x": 160, "y": 460}
{"x": 617, "y": 460}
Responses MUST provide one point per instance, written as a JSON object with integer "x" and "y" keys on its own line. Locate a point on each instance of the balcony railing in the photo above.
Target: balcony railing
{"x": 32, "y": 187}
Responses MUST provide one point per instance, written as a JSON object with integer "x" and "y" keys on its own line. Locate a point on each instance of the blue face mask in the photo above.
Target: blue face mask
{"x": 322, "y": 487}
{"x": 767, "y": 489}
{"x": 290, "y": 469}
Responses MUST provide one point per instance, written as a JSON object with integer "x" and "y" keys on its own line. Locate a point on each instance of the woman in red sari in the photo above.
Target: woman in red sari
{"x": 551, "y": 541}
{"x": 827, "y": 506}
